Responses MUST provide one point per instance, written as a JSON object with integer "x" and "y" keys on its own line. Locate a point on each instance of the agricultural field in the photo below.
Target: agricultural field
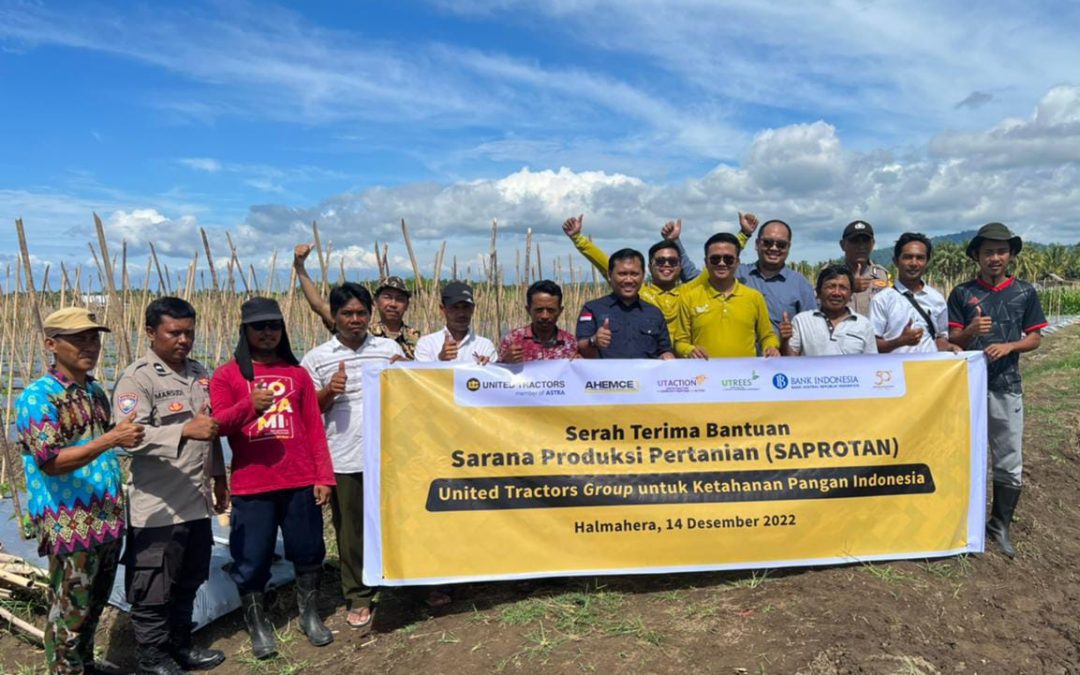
{"x": 962, "y": 614}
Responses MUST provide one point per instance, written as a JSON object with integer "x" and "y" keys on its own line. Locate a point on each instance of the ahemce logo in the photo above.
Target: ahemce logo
{"x": 611, "y": 386}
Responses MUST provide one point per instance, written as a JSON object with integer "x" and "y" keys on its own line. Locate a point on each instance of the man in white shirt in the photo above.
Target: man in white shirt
{"x": 832, "y": 329}
{"x": 910, "y": 316}
{"x": 456, "y": 342}
{"x": 336, "y": 366}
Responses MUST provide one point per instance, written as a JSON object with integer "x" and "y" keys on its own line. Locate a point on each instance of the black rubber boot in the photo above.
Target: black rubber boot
{"x": 258, "y": 626}
{"x": 153, "y": 660}
{"x": 188, "y": 655}
{"x": 307, "y": 594}
{"x": 1001, "y": 516}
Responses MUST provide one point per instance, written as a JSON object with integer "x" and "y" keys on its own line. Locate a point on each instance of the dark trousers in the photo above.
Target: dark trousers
{"x": 164, "y": 567}
{"x": 347, "y": 509}
{"x": 79, "y": 588}
{"x": 255, "y": 523}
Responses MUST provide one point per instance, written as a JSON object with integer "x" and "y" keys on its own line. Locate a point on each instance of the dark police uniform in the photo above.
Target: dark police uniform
{"x": 170, "y": 498}
{"x": 638, "y": 329}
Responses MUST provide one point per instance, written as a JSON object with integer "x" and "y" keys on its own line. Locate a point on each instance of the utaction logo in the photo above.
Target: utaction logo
{"x": 681, "y": 385}
{"x": 612, "y": 386}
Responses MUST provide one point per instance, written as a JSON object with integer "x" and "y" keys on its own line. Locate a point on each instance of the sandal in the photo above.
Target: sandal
{"x": 363, "y": 626}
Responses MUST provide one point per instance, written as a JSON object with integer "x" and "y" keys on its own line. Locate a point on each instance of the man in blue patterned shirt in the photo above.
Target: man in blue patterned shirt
{"x": 63, "y": 421}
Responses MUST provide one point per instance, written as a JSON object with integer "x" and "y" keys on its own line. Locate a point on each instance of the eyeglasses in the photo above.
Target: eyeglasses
{"x": 778, "y": 244}
{"x": 266, "y": 325}
{"x": 728, "y": 260}
{"x": 666, "y": 262}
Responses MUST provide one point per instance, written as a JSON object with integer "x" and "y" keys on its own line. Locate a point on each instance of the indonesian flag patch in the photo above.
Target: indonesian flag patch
{"x": 586, "y": 315}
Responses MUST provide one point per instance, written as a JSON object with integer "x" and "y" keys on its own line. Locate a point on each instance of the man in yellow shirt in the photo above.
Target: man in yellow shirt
{"x": 722, "y": 317}
{"x": 668, "y": 263}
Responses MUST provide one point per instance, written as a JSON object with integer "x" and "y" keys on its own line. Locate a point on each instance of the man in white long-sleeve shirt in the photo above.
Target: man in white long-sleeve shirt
{"x": 456, "y": 342}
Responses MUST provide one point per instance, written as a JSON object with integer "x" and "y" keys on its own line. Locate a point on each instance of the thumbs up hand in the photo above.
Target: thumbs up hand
{"x": 603, "y": 335}
{"x": 127, "y": 434}
{"x": 671, "y": 230}
{"x": 572, "y": 226}
{"x": 339, "y": 380}
{"x": 261, "y": 398}
{"x": 787, "y": 331}
{"x": 202, "y": 427}
{"x": 911, "y": 335}
{"x": 861, "y": 283}
{"x": 449, "y": 349}
{"x": 981, "y": 324}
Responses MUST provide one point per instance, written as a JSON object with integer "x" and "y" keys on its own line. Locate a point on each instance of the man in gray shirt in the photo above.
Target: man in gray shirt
{"x": 786, "y": 291}
{"x": 169, "y": 537}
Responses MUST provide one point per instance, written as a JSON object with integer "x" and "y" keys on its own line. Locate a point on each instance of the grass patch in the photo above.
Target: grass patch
{"x": 756, "y": 578}
{"x": 886, "y": 573}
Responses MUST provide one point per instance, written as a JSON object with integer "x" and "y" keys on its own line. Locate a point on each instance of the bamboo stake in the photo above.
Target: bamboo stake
{"x": 30, "y": 629}
{"x": 324, "y": 261}
{"x": 35, "y": 305}
{"x": 209, "y": 259}
{"x": 121, "y": 335}
{"x": 412, "y": 257}
{"x": 162, "y": 285}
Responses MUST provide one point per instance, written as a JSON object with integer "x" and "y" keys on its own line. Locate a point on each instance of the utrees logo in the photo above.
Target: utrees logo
{"x": 741, "y": 383}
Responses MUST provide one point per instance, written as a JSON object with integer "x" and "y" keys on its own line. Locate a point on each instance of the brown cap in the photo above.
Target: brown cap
{"x": 71, "y": 320}
{"x": 396, "y": 283}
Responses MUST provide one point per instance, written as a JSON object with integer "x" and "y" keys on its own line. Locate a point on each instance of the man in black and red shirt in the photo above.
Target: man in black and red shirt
{"x": 1001, "y": 316}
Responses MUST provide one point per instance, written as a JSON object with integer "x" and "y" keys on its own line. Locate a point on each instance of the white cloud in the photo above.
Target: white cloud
{"x": 206, "y": 164}
{"x": 802, "y": 173}
{"x": 1049, "y": 137}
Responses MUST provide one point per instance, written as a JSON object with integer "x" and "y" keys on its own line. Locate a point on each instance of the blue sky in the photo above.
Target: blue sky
{"x": 258, "y": 118}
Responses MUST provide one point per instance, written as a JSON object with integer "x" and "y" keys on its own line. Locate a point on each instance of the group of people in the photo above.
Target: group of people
{"x": 295, "y": 426}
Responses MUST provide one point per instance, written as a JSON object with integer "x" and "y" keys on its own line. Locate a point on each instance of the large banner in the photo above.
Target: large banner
{"x": 611, "y": 467}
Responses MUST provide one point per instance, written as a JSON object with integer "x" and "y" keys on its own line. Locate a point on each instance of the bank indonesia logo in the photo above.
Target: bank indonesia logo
{"x": 780, "y": 381}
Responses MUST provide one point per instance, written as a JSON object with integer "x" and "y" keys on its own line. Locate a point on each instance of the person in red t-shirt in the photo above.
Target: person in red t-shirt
{"x": 266, "y": 405}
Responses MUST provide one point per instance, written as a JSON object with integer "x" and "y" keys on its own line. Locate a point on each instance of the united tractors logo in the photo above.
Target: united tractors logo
{"x": 472, "y": 384}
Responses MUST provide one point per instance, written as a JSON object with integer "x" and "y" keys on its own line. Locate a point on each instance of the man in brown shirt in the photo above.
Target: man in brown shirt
{"x": 170, "y": 496}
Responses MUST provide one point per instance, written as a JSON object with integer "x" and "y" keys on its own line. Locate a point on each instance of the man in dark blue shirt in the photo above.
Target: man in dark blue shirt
{"x": 621, "y": 325}
{"x": 1001, "y": 316}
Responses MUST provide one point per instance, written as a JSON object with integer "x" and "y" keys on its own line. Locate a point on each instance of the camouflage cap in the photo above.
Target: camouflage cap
{"x": 396, "y": 283}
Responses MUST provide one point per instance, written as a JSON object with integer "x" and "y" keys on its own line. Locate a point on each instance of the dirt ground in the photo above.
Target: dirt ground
{"x": 983, "y": 614}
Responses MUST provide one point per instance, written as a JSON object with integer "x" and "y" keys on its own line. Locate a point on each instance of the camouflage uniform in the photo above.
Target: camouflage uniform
{"x": 79, "y": 586}
{"x": 407, "y": 338}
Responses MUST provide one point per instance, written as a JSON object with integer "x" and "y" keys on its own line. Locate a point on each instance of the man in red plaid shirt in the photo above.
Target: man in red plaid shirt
{"x": 541, "y": 339}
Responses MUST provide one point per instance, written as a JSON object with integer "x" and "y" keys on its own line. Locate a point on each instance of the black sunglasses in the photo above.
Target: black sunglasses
{"x": 272, "y": 324}
{"x": 778, "y": 244}
{"x": 666, "y": 262}
{"x": 728, "y": 260}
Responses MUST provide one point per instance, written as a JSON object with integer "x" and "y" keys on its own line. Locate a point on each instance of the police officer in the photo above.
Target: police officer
{"x": 169, "y": 538}
{"x": 857, "y": 244}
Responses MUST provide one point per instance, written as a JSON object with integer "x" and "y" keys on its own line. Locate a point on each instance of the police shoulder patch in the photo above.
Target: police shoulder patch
{"x": 127, "y": 402}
